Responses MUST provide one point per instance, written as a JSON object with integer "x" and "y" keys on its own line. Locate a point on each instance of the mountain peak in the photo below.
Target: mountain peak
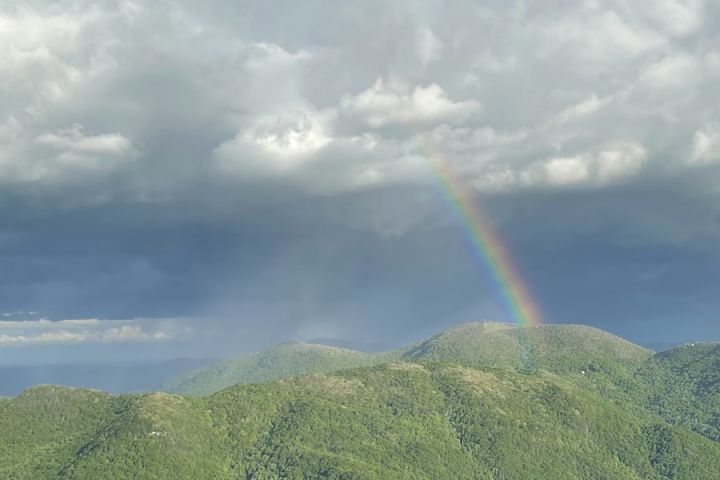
{"x": 560, "y": 347}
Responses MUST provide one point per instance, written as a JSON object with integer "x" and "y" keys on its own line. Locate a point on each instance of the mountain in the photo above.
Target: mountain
{"x": 557, "y": 348}
{"x": 479, "y": 401}
{"x": 401, "y": 420}
{"x": 683, "y": 386}
{"x": 281, "y": 361}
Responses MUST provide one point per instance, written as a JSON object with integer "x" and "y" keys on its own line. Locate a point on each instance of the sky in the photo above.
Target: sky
{"x": 202, "y": 178}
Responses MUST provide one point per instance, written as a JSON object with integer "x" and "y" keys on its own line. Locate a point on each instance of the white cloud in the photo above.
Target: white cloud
{"x": 62, "y": 155}
{"x": 674, "y": 71}
{"x": 392, "y": 103}
{"x": 49, "y": 59}
{"x": 567, "y": 170}
{"x": 611, "y": 164}
{"x": 606, "y": 166}
{"x": 585, "y": 107}
{"x": 429, "y": 47}
{"x": 548, "y": 100}
{"x": 73, "y": 139}
{"x": 35, "y": 52}
{"x": 705, "y": 147}
{"x": 39, "y": 332}
{"x": 347, "y": 146}
{"x": 261, "y": 78}
{"x": 674, "y": 17}
{"x": 472, "y": 140}
{"x": 614, "y": 31}
{"x": 602, "y": 35}
{"x": 620, "y": 161}
{"x": 300, "y": 149}
{"x": 275, "y": 144}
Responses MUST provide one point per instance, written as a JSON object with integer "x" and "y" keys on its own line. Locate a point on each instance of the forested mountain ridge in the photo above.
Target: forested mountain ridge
{"x": 559, "y": 348}
{"x": 280, "y": 361}
{"x": 400, "y": 420}
{"x": 683, "y": 386}
{"x": 480, "y": 401}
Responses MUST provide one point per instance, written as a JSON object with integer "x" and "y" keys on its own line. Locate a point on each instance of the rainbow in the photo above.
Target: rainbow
{"x": 485, "y": 243}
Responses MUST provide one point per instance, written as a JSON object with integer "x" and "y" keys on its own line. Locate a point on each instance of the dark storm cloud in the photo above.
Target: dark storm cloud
{"x": 258, "y": 170}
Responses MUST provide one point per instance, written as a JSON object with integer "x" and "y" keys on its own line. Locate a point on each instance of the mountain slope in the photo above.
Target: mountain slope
{"x": 400, "y": 420}
{"x": 557, "y": 348}
{"x": 683, "y": 386}
{"x": 281, "y": 361}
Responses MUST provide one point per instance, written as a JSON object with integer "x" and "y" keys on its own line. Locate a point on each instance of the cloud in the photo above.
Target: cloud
{"x": 675, "y": 71}
{"x": 429, "y": 47}
{"x": 706, "y": 145}
{"x": 619, "y": 31}
{"x": 73, "y": 139}
{"x": 566, "y": 170}
{"x": 275, "y": 144}
{"x": 37, "y": 55}
{"x": 261, "y": 114}
{"x": 612, "y": 164}
{"x": 585, "y": 107}
{"x": 64, "y": 155}
{"x": 48, "y": 58}
{"x": 391, "y": 103}
{"x": 620, "y": 161}
{"x": 363, "y": 141}
{"x": 45, "y": 332}
{"x": 675, "y": 17}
